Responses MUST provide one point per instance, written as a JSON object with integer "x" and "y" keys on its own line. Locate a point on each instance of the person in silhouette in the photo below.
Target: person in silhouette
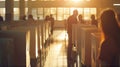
{"x": 24, "y": 17}
{"x": 30, "y": 17}
{"x": 81, "y": 20}
{"x": 93, "y": 20}
{"x": 71, "y": 20}
{"x": 47, "y": 18}
{"x": 52, "y": 23}
{"x": 1, "y": 18}
{"x": 110, "y": 46}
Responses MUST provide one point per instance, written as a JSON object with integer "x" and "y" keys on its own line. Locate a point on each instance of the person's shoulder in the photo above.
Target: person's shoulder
{"x": 70, "y": 17}
{"x": 53, "y": 18}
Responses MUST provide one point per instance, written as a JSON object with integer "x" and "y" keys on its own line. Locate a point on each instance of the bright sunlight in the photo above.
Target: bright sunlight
{"x": 77, "y": 0}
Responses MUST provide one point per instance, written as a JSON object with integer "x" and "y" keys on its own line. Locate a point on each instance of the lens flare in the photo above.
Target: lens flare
{"x": 77, "y": 0}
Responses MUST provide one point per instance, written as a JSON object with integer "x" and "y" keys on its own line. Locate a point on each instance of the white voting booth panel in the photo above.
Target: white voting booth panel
{"x": 86, "y": 45}
{"x": 7, "y": 26}
{"x": 6, "y": 52}
{"x": 33, "y": 39}
{"x": 21, "y": 42}
{"x": 43, "y": 33}
{"x": 77, "y": 37}
{"x": 76, "y": 33}
{"x": 39, "y": 32}
{"x": 40, "y": 37}
{"x": 43, "y": 36}
{"x": 47, "y": 30}
{"x": 95, "y": 43}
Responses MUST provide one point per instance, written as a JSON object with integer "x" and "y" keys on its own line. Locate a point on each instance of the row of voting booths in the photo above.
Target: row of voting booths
{"x": 24, "y": 44}
{"x": 87, "y": 38}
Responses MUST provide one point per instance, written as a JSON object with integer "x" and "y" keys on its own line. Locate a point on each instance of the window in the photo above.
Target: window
{"x": 60, "y": 14}
{"x": 40, "y": 13}
{"x": 86, "y": 13}
{"x": 80, "y": 11}
{"x": 16, "y": 0}
{"x": 66, "y": 13}
{"x": 2, "y": 0}
{"x": 46, "y": 11}
{"x": 2, "y": 12}
{"x": 34, "y": 13}
{"x": 53, "y": 12}
{"x": 16, "y": 13}
{"x": 92, "y": 10}
{"x": 33, "y": 0}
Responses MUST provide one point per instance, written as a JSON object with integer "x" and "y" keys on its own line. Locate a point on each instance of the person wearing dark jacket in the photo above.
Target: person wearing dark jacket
{"x": 52, "y": 23}
{"x": 71, "y": 20}
{"x": 1, "y": 18}
{"x": 94, "y": 21}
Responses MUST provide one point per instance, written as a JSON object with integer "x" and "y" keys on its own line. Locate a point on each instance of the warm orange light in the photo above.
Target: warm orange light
{"x": 77, "y": 0}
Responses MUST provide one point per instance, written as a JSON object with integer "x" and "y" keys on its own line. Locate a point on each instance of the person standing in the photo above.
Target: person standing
{"x": 52, "y": 23}
{"x": 94, "y": 21}
{"x": 24, "y": 18}
{"x": 71, "y": 20}
{"x": 110, "y": 46}
{"x": 1, "y": 18}
{"x": 47, "y": 18}
{"x": 81, "y": 20}
{"x": 30, "y": 19}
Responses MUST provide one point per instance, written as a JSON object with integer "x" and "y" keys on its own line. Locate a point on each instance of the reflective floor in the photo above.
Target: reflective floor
{"x": 57, "y": 52}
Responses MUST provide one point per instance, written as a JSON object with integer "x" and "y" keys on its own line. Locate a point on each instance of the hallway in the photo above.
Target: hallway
{"x": 57, "y": 52}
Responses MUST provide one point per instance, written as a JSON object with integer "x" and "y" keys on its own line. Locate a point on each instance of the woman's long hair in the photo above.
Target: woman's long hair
{"x": 110, "y": 25}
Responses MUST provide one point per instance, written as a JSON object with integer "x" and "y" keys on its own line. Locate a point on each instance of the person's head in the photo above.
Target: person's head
{"x": 109, "y": 22}
{"x": 30, "y": 16}
{"x": 23, "y": 17}
{"x": 47, "y": 17}
{"x": 75, "y": 12}
{"x": 51, "y": 15}
{"x": 80, "y": 16}
{"x": 92, "y": 16}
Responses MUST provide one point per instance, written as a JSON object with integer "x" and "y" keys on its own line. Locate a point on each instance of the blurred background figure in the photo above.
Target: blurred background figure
{"x": 94, "y": 21}
{"x": 47, "y": 18}
{"x": 110, "y": 47}
{"x": 52, "y": 23}
{"x": 81, "y": 20}
{"x": 70, "y": 21}
{"x": 30, "y": 17}
{"x": 1, "y": 18}
{"x": 24, "y": 17}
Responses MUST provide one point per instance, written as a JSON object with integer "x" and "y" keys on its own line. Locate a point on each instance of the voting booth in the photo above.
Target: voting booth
{"x": 86, "y": 45}
{"x": 21, "y": 47}
{"x": 95, "y": 48}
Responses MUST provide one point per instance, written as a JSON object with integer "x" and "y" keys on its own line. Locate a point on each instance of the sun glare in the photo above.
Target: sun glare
{"x": 77, "y": 0}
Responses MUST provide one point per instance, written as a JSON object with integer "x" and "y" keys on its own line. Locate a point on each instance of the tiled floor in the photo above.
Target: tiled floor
{"x": 57, "y": 53}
